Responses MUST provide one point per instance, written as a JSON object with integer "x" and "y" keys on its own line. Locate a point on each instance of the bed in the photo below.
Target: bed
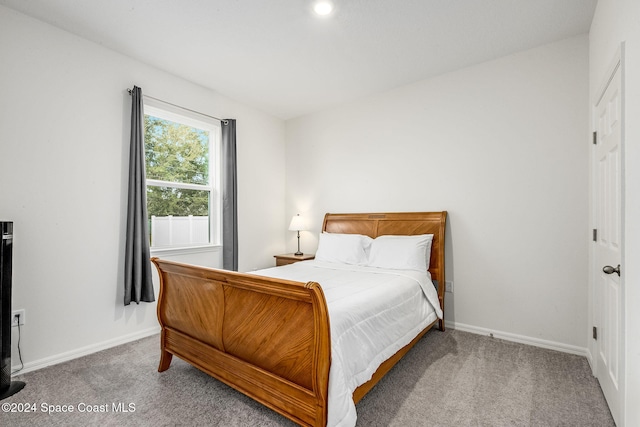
{"x": 269, "y": 336}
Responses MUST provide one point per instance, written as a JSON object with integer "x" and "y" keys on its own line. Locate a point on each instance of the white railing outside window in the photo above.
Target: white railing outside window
{"x": 172, "y": 231}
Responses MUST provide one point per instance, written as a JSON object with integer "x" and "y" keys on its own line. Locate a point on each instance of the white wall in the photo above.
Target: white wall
{"x": 64, "y": 129}
{"x": 503, "y": 147}
{"x": 617, "y": 21}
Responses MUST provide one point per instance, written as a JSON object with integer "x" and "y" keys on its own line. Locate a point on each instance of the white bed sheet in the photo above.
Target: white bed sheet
{"x": 373, "y": 313}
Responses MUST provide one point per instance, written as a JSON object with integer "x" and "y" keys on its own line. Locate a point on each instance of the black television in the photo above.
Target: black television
{"x": 7, "y": 387}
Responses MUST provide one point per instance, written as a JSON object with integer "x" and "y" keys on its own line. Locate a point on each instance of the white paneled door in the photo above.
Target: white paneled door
{"x": 608, "y": 301}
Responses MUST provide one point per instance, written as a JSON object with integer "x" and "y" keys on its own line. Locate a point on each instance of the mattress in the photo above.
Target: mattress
{"x": 373, "y": 313}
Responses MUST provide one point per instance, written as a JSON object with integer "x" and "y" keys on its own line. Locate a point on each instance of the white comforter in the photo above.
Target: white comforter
{"x": 373, "y": 313}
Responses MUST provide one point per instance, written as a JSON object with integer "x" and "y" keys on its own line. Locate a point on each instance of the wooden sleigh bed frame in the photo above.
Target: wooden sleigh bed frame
{"x": 270, "y": 338}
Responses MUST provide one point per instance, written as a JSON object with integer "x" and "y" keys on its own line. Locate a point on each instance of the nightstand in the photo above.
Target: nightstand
{"x": 285, "y": 259}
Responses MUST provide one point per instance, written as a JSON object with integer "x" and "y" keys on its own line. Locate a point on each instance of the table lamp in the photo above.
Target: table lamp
{"x": 297, "y": 224}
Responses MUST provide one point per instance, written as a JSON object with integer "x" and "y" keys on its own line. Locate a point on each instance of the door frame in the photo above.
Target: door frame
{"x": 594, "y": 268}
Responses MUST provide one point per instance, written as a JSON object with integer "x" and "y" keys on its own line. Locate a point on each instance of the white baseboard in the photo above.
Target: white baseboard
{"x": 551, "y": 345}
{"x": 592, "y": 362}
{"x": 83, "y": 351}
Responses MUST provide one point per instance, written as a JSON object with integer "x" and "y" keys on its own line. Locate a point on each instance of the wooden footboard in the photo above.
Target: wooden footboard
{"x": 267, "y": 338}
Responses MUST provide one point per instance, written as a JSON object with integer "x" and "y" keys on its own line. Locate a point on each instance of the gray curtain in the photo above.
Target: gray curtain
{"x": 137, "y": 275}
{"x": 229, "y": 197}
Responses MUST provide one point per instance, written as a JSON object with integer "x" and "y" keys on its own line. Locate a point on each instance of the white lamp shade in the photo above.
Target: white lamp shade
{"x": 297, "y": 223}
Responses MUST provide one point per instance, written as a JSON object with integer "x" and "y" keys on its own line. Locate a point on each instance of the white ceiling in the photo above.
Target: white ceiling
{"x": 276, "y": 55}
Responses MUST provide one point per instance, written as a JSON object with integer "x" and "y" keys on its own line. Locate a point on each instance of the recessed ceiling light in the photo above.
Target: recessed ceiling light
{"x": 323, "y": 7}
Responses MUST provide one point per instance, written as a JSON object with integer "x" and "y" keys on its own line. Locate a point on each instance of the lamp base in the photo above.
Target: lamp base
{"x": 298, "y": 253}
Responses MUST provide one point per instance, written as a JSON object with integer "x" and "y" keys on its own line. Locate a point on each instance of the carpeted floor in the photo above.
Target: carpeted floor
{"x": 449, "y": 379}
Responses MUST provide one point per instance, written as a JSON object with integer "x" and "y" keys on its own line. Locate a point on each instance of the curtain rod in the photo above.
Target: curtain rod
{"x": 226, "y": 122}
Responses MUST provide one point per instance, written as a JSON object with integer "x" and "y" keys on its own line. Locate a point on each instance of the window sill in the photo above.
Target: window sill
{"x": 186, "y": 250}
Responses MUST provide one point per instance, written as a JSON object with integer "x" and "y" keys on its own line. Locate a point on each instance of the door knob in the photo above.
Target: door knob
{"x": 610, "y": 270}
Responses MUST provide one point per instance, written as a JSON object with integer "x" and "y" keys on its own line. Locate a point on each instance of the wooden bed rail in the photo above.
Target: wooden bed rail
{"x": 267, "y": 338}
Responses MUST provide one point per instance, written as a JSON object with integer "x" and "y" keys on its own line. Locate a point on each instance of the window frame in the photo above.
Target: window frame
{"x": 190, "y": 118}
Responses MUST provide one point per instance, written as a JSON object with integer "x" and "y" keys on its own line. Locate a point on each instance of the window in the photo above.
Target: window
{"x": 182, "y": 171}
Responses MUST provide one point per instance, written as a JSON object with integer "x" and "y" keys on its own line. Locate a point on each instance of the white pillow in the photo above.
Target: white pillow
{"x": 401, "y": 252}
{"x": 343, "y": 248}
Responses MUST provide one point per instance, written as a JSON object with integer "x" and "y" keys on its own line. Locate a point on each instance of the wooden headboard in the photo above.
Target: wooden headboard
{"x": 403, "y": 223}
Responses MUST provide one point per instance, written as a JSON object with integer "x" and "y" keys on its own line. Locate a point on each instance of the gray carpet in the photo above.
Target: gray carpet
{"x": 449, "y": 379}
